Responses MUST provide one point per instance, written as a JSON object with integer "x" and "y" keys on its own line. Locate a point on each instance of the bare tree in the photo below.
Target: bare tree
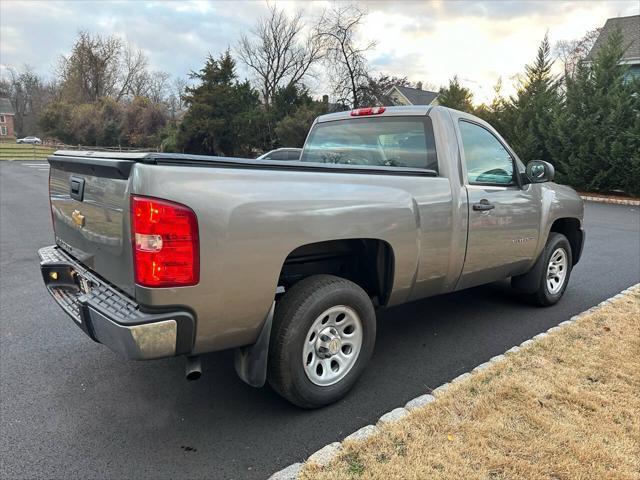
{"x": 29, "y": 94}
{"x": 102, "y": 67}
{"x": 92, "y": 69}
{"x": 374, "y": 90}
{"x": 175, "y": 100}
{"x": 132, "y": 68}
{"x": 572, "y": 52}
{"x": 277, "y": 51}
{"x": 139, "y": 84}
{"x": 345, "y": 58}
{"x": 152, "y": 85}
{"x": 159, "y": 86}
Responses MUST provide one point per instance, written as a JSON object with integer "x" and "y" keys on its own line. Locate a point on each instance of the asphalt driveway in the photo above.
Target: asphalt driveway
{"x": 71, "y": 409}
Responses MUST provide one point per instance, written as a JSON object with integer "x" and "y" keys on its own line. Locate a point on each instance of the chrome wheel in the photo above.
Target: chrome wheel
{"x": 557, "y": 270}
{"x": 332, "y": 345}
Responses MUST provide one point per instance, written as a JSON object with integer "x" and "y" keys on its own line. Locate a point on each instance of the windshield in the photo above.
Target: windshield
{"x": 380, "y": 142}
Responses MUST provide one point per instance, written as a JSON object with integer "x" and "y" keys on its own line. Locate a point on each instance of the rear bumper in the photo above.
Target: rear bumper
{"x": 109, "y": 316}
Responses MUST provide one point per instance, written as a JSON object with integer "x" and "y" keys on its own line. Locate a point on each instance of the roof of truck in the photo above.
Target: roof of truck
{"x": 409, "y": 110}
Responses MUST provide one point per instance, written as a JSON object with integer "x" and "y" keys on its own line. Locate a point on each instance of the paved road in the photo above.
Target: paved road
{"x": 71, "y": 409}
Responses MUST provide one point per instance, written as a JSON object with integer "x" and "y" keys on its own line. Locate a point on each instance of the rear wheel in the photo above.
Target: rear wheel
{"x": 322, "y": 337}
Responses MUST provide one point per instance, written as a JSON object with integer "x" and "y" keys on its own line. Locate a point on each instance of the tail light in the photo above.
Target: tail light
{"x": 362, "y": 112}
{"x": 166, "y": 248}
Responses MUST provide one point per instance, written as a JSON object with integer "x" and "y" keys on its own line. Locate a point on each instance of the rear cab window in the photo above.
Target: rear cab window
{"x": 374, "y": 141}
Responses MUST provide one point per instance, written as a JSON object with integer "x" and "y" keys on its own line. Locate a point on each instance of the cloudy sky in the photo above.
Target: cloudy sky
{"x": 480, "y": 41}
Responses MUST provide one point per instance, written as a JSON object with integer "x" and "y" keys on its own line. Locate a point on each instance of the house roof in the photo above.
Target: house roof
{"x": 630, "y": 28}
{"x": 5, "y": 107}
{"x": 416, "y": 96}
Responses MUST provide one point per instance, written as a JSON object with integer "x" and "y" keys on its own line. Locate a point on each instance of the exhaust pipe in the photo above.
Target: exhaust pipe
{"x": 193, "y": 368}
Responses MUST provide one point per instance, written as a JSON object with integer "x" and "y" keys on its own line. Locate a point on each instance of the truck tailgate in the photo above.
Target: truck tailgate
{"x": 90, "y": 211}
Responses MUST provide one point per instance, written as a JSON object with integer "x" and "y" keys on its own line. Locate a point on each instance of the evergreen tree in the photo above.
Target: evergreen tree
{"x": 530, "y": 112}
{"x": 222, "y": 118}
{"x": 288, "y": 99}
{"x": 286, "y": 103}
{"x": 456, "y": 96}
{"x": 598, "y": 129}
{"x": 292, "y": 130}
{"x": 498, "y": 112}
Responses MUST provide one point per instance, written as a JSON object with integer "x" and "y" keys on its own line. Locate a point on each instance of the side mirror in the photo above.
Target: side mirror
{"x": 539, "y": 171}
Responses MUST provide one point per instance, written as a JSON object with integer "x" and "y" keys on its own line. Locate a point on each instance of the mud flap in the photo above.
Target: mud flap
{"x": 251, "y": 361}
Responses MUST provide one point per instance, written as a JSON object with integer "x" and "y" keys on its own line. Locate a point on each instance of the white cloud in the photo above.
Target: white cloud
{"x": 428, "y": 41}
{"x": 434, "y": 43}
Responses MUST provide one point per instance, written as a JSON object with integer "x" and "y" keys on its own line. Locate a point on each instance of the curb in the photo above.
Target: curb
{"x": 613, "y": 201}
{"x": 329, "y": 452}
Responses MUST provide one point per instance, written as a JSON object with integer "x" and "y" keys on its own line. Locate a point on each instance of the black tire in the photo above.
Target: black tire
{"x": 294, "y": 315}
{"x": 534, "y": 283}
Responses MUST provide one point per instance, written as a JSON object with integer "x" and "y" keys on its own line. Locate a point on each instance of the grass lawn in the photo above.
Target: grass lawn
{"x": 15, "y": 151}
{"x": 566, "y": 407}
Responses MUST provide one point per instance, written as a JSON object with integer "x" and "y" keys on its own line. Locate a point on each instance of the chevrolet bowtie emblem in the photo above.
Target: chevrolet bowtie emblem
{"x": 78, "y": 218}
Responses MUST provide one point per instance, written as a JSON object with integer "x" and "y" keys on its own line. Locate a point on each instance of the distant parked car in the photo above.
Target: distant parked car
{"x": 282, "y": 154}
{"x": 30, "y": 139}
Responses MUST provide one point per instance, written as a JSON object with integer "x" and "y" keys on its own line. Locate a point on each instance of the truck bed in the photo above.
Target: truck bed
{"x": 123, "y": 161}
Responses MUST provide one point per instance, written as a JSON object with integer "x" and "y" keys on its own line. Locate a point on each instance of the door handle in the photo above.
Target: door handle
{"x": 483, "y": 206}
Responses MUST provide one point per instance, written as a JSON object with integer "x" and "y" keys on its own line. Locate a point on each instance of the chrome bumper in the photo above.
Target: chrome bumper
{"x": 110, "y": 317}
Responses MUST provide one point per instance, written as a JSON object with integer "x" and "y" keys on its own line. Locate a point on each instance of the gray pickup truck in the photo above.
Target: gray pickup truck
{"x": 159, "y": 255}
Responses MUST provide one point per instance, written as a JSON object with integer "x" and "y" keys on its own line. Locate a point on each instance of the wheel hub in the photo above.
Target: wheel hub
{"x": 557, "y": 270}
{"x": 328, "y": 343}
{"x": 332, "y": 345}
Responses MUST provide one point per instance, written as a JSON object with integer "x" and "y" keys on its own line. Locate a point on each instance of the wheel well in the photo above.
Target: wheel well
{"x": 570, "y": 228}
{"x": 366, "y": 262}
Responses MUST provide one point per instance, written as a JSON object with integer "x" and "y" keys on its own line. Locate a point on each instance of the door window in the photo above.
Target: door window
{"x": 487, "y": 161}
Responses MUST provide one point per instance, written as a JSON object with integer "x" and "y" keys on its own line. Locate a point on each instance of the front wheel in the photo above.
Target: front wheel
{"x": 550, "y": 275}
{"x": 322, "y": 337}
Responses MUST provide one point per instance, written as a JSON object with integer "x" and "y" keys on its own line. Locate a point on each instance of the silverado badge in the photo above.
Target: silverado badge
{"x": 78, "y": 218}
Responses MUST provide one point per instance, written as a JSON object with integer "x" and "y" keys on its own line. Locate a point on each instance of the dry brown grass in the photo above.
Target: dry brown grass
{"x": 567, "y": 407}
